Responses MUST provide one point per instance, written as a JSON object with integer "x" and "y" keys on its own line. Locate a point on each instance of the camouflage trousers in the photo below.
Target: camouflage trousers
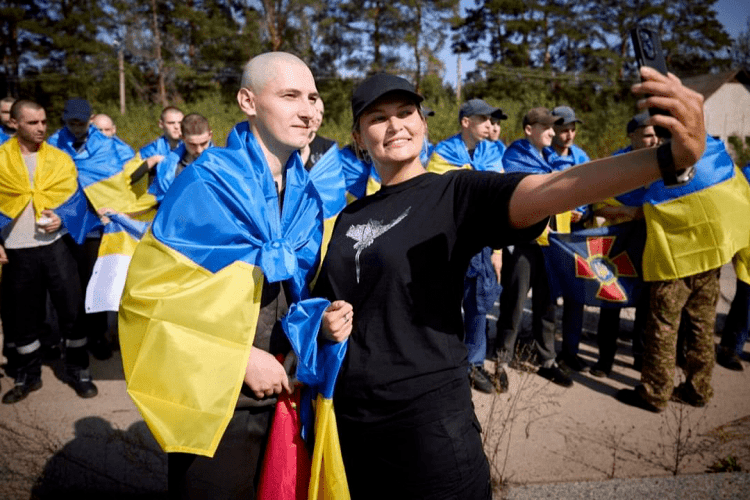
{"x": 697, "y": 296}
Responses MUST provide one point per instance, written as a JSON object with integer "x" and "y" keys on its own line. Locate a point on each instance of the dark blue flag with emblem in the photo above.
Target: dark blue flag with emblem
{"x": 598, "y": 267}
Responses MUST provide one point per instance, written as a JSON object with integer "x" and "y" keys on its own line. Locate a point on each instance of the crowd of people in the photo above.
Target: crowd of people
{"x": 407, "y": 246}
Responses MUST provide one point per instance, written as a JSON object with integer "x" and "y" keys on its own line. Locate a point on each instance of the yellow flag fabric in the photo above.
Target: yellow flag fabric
{"x": 327, "y": 477}
{"x": 190, "y": 334}
{"x": 741, "y": 263}
{"x": 697, "y": 232}
{"x": 55, "y": 179}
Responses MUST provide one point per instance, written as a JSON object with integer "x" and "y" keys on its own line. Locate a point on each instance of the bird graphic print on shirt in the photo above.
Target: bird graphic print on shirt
{"x": 364, "y": 234}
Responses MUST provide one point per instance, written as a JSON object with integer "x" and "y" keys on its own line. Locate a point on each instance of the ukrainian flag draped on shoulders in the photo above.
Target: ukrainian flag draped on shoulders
{"x": 452, "y": 153}
{"x": 158, "y": 147}
{"x": 522, "y": 156}
{"x": 192, "y": 296}
{"x": 558, "y": 162}
{"x": 55, "y": 187}
{"x": 698, "y": 226}
{"x": 361, "y": 178}
{"x": 103, "y": 172}
{"x": 3, "y": 137}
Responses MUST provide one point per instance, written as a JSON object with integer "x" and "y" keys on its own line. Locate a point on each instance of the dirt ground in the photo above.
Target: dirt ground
{"x": 54, "y": 443}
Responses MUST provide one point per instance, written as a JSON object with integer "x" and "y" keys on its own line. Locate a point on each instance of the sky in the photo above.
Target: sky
{"x": 733, "y": 14}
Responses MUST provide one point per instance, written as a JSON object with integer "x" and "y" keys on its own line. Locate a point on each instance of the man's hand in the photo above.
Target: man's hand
{"x": 152, "y": 161}
{"x": 264, "y": 375}
{"x": 686, "y": 109}
{"x": 337, "y": 321}
{"x": 55, "y": 223}
{"x": 575, "y": 216}
{"x": 3, "y": 255}
{"x": 497, "y": 263}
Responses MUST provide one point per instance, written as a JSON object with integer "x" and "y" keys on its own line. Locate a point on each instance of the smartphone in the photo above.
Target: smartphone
{"x": 648, "y": 52}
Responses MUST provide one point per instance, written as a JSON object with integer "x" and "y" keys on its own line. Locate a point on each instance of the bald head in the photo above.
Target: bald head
{"x": 105, "y": 124}
{"x": 265, "y": 67}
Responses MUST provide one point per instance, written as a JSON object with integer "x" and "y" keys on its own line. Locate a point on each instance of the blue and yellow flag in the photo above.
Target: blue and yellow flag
{"x": 698, "y": 226}
{"x": 319, "y": 363}
{"x": 3, "y": 137}
{"x": 452, "y": 153}
{"x": 55, "y": 188}
{"x": 598, "y": 267}
{"x": 360, "y": 177}
{"x": 119, "y": 239}
{"x": 192, "y": 296}
{"x": 103, "y": 174}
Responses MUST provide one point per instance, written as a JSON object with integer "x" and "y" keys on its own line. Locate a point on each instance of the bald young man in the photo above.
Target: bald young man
{"x": 213, "y": 278}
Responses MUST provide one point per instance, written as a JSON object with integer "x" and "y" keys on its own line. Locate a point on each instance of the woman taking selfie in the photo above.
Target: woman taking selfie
{"x": 395, "y": 268}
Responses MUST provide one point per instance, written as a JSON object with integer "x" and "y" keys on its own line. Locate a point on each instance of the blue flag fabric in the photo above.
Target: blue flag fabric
{"x": 598, "y": 267}
{"x": 124, "y": 151}
{"x": 3, "y": 137}
{"x": 165, "y": 173}
{"x": 158, "y": 147}
{"x": 248, "y": 226}
{"x": 521, "y": 156}
{"x": 357, "y": 173}
{"x": 557, "y": 162}
{"x": 487, "y": 156}
{"x": 98, "y": 160}
{"x": 328, "y": 178}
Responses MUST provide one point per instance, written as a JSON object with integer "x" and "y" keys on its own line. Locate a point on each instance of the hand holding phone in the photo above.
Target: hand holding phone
{"x": 648, "y": 52}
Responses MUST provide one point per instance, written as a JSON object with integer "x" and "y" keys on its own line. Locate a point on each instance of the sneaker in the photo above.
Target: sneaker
{"x": 729, "y": 359}
{"x": 81, "y": 382}
{"x": 556, "y": 375}
{"x": 21, "y": 389}
{"x": 685, "y": 395}
{"x": 633, "y": 398}
{"x": 481, "y": 380}
{"x": 501, "y": 380}
{"x": 575, "y": 363}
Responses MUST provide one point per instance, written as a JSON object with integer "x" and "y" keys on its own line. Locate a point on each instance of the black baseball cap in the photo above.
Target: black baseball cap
{"x": 77, "y": 109}
{"x": 378, "y": 85}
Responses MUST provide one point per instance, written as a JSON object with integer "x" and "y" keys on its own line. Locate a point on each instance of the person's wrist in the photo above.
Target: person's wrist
{"x": 667, "y": 168}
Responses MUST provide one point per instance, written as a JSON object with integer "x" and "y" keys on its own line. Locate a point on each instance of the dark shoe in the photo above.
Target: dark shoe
{"x": 23, "y": 387}
{"x": 633, "y": 398}
{"x": 556, "y": 375}
{"x": 501, "y": 380}
{"x": 575, "y": 363}
{"x": 81, "y": 382}
{"x": 481, "y": 380}
{"x": 598, "y": 371}
{"x": 683, "y": 394}
{"x": 729, "y": 359}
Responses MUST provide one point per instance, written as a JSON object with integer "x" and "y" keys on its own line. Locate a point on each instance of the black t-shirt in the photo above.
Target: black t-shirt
{"x": 318, "y": 147}
{"x": 399, "y": 257}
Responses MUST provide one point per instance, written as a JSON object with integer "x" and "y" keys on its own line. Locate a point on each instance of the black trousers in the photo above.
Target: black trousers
{"x": 234, "y": 471}
{"x": 26, "y": 279}
{"x": 94, "y": 326}
{"x": 434, "y": 453}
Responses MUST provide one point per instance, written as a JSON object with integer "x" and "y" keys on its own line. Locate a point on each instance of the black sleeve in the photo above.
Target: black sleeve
{"x": 139, "y": 172}
{"x": 481, "y": 209}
